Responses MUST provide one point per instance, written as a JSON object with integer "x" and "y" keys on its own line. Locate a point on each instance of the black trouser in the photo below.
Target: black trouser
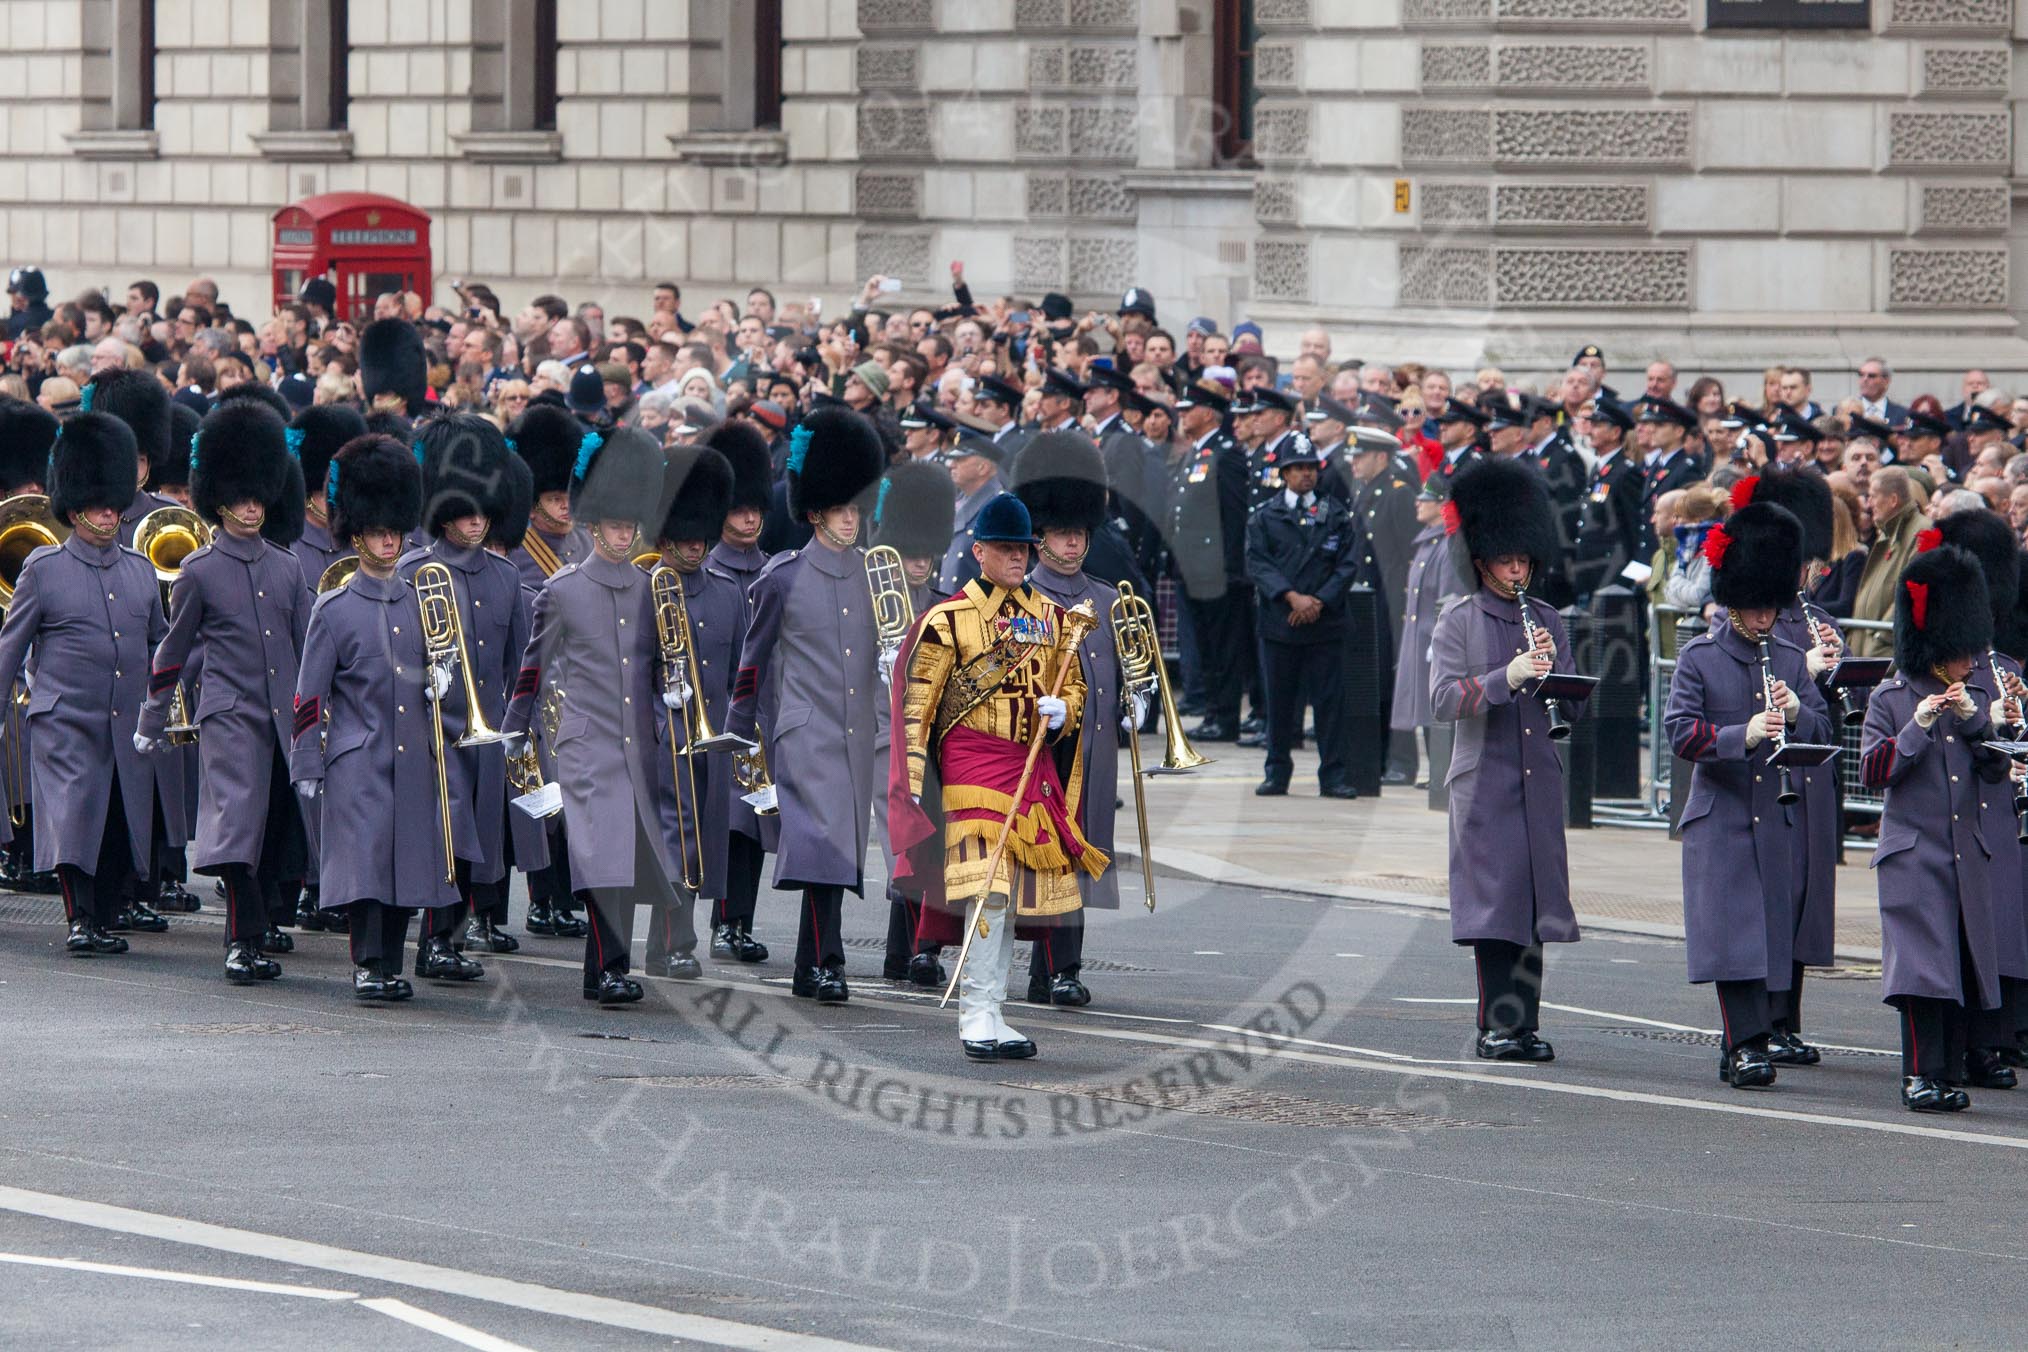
{"x": 1932, "y": 1036}
{"x": 169, "y": 863}
{"x": 819, "y": 940}
{"x": 96, "y": 896}
{"x": 1743, "y": 1012}
{"x": 743, "y": 860}
{"x": 264, "y": 895}
{"x": 553, "y": 884}
{"x": 2014, "y": 997}
{"x": 448, "y": 922}
{"x": 488, "y": 901}
{"x": 1223, "y": 648}
{"x": 1060, "y": 950}
{"x": 1785, "y": 1008}
{"x": 378, "y": 933}
{"x": 673, "y": 925}
{"x": 1299, "y": 673}
{"x": 608, "y": 947}
{"x": 903, "y": 916}
{"x": 1510, "y": 986}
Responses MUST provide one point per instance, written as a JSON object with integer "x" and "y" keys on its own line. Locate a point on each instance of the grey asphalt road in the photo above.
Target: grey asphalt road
{"x": 1268, "y": 1132}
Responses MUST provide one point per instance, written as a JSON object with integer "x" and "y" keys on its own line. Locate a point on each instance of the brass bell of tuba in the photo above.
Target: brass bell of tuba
{"x": 167, "y": 537}
{"x": 26, "y": 525}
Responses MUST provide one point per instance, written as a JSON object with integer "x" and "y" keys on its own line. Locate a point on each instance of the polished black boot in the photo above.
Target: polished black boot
{"x": 274, "y": 941}
{"x": 803, "y": 983}
{"x": 1068, "y": 991}
{"x": 484, "y": 934}
{"x": 676, "y": 967}
{"x": 541, "y": 919}
{"x": 613, "y": 989}
{"x": 81, "y": 943}
{"x": 139, "y": 915}
{"x": 311, "y": 921}
{"x": 1494, "y": 1045}
{"x": 1038, "y": 987}
{"x": 1928, "y": 1094}
{"x": 1274, "y": 786}
{"x": 438, "y": 961}
{"x": 831, "y": 987}
{"x": 569, "y": 925}
{"x": 1986, "y": 1068}
{"x": 1787, "y": 1049}
{"x": 368, "y": 984}
{"x": 747, "y": 948}
{"x": 925, "y": 971}
{"x": 244, "y": 965}
{"x": 1746, "y": 1068}
{"x": 176, "y": 897}
{"x": 721, "y": 941}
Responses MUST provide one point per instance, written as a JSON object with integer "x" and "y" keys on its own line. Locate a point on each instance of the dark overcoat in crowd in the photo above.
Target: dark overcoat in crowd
{"x": 1740, "y": 904}
{"x": 1509, "y": 870}
{"x": 1609, "y": 525}
{"x": 1933, "y": 862}
{"x": 381, "y": 817}
{"x": 1313, "y": 550}
{"x": 2001, "y": 828}
{"x": 744, "y": 565}
{"x": 1209, "y": 498}
{"x": 93, "y": 615}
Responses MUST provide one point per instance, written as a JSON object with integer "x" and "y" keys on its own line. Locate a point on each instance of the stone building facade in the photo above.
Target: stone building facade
{"x": 1459, "y": 180}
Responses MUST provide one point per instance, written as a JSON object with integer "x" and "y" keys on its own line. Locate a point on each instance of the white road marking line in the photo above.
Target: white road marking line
{"x": 1574, "y": 1090}
{"x": 1342, "y": 1047}
{"x": 186, "y": 1278}
{"x": 442, "y": 1327}
{"x": 1206, "y": 953}
{"x": 518, "y": 1295}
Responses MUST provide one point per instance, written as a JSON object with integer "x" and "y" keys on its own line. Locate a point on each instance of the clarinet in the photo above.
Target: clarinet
{"x": 1786, "y": 794}
{"x": 1842, "y": 707}
{"x": 2011, "y": 731}
{"x": 1559, "y": 727}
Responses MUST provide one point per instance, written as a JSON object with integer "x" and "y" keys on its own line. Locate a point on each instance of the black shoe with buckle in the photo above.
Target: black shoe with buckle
{"x": 541, "y": 919}
{"x": 1746, "y": 1068}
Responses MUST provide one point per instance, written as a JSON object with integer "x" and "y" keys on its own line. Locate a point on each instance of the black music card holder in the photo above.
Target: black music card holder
{"x": 1802, "y": 755}
{"x": 1859, "y": 673}
{"x": 1564, "y": 685}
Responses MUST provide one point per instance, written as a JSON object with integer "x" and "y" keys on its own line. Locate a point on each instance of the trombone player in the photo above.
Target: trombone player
{"x": 27, "y": 432}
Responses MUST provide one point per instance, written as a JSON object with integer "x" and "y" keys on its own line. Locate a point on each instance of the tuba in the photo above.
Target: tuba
{"x": 750, "y": 773}
{"x": 893, "y": 612}
{"x": 1146, "y": 675}
{"x": 166, "y": 537}
{"x": 26, "y": 525}
{"x": 338, "y": 574}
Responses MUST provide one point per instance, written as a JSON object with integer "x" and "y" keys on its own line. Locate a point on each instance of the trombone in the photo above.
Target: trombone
{"x": 679, "y": 670}
{"x": 167, "y": 537}
{"x": 436, "y": 595}
{"x": 26, "y": 525}
{"x": 1143, "y": 677}
{"x": 893, "y": 612}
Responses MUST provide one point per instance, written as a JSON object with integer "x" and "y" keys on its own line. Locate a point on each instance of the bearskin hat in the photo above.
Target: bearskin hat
{"x": 547, "y": 437}
{"x": 137, "y": 399}
{"x": 508, "y": 525}
{"x": 283, "y": 525}
{"x": 381, "y": 423}
{"x": 834, "y": 456}
{"x": 697, "y": 486}
{"x": 463, "y": 459}
{"x": 1062, "y": 478}
{"x": 915, "y": 510}
{"x": 241, "y": 452}
{"x": 1756, "y": 557}
{"x": 94, "y": 464}
{"x": 317, "y": 432}
{"x": 1986, "y": 536}
{"x": 745, "y": 447}
{"x": 173, "y": 470}
{"x": 26, "y": 433}
{"x": 259, "y": 393}
{"x": 617, "y": 477}
{"x": 1940, "y": 610}
{"x": 374, "y": 483}
{"x": 1501, "y": 508}
{"x": 1807, "y": 497}
{"x": 391, "y": 361}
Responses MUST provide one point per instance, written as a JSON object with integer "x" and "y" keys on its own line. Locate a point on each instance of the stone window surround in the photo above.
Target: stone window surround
{"x": 316, "y": 135}
{"x": 131, "y": 135}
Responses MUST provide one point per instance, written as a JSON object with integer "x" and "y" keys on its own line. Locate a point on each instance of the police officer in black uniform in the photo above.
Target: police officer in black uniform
{"x": 1609, "y": 524}
{"x": 1302, "y": 555}
{"x": 1206, "y": 514}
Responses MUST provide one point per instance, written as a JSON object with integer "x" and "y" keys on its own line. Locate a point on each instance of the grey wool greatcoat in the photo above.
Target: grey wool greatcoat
{"x": 2001, "y": 828}
{"x": 92, "y": 615}
{"x": 1509, "y": 873}
{"x": 1816, "y": 926}
{"x": 594, "y": 635}
{"x": 1101, "y": 660}
{"x": 245, "y": 599}
{"x": 382, "y": 820}
{"x": 809, "y": 680}
{"x": 1932, "y": 860}
{"x": 920, "y": 599}
{"x": 574, "y": 546}
{"x": 717, "y": 606}
{"x": 528, "y": 835}
{"x": 316, "y": 551}
{"x": 495, "y": 621}
{"x": 175, "y": 766}
{"x": 1431, "y": 581}
{"x": 744, "y": 565}
{"x": 1743, "y": 874}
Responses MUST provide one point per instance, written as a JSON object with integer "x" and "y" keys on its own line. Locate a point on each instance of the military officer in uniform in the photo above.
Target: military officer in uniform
{"x": 1548, "y": 448}
{"x": 926, "y": 431}
{"x": 1276, "y": 439}
{"x": 1061, "y": 404}
{"x": 999, "y": 400}
{"x": 975, "y": 464}
{"x": 1329, "y": 425}
{"x": 91, "y": 611}
{"x": 1383, "y": 526}
{"x": 1609, "y": 527}
{"x": 1663, "y": 425}
{"x": 1432, "y": 582}
{"x": 1208, "y": 504}
{"x": 243, "y": 598}
{"x": 1459, "y": 427}
{"x": 1134, "y": 472}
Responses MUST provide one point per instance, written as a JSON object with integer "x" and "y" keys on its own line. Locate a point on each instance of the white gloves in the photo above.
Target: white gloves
{"x": 307, "y": 789}
{"x": 28, "y": 680}
{"x": 144, "y": 744}
{"x": 676, "y": 694}
{"x": 1526, "y": 667}
{"x": 887, "y": 665}
{"x": 514, "y": 743}
{"x": 1137, "y": 705}
{"x": 438, "y": 682}
{"x": 1967, "y": 706}
{"x": 1926, "y": 714}
{"x": 1053, "y": 711}
{"x": 1819, "y": 661}
{"x": 1762, "y": 726}
{"x": 1791, "y": 706}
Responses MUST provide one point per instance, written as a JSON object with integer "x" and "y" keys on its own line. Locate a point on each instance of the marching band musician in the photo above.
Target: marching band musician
{"x": 1509, "y": 874}
{"x": 1921, "y": 743}
{"x": 244, "y": 599}
{"x": 738, "y": 554}
{"x": 1738, "y": 692}
{"x": 366, "y": 664}
{"x": 985, "y": 686}
{"x": 1061, "y": 479}
{"x": 527, "y": 837}
{"x": 464, "y": 466}
{"x": 91, "y": 610}
{"x": 141, "y": 403}
{"x": 1991, "y": 1034}
{"x": 547, "y": 438}
{"x": 315, "y": 434}
{"x": 27, "y": 431}
{"x": 594, "y": 636}
{"x": 809, "y": 689}
{"x": 914, "y": 518}
{"x": 697, "y": 486}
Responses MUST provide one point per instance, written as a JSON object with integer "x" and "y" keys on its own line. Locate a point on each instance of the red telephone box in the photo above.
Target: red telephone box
{"x": 364, "y": 243}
